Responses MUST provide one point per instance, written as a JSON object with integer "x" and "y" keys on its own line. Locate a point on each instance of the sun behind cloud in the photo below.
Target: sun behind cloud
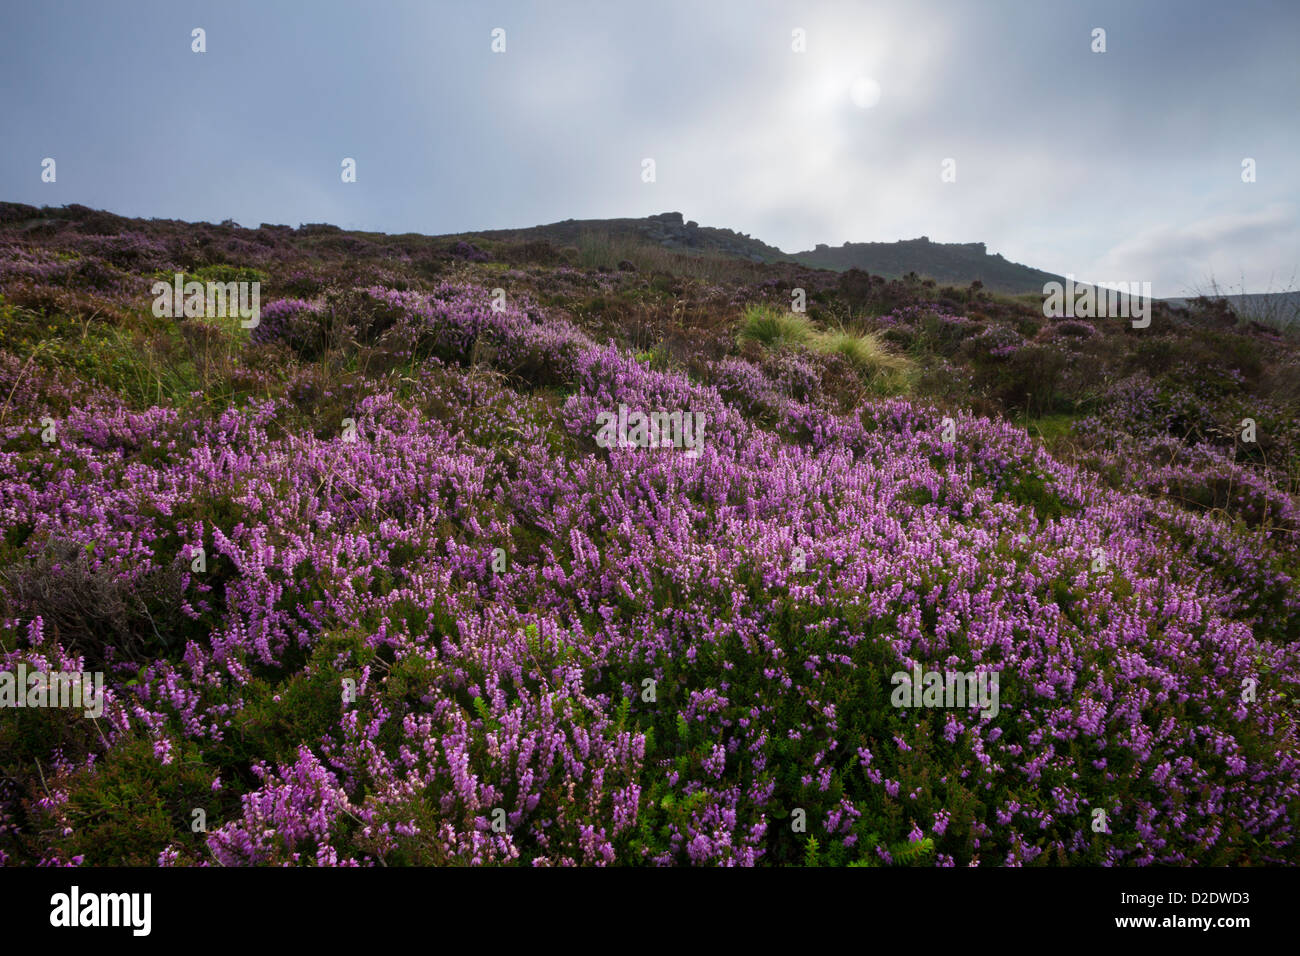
{"x": 865, "y": 92}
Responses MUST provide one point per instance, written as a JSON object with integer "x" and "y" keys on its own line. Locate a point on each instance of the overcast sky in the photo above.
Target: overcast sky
{"x": 1122, "y": 165}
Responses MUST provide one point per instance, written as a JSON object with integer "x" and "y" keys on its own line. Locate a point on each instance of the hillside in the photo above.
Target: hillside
{"x": 392, "y": 573}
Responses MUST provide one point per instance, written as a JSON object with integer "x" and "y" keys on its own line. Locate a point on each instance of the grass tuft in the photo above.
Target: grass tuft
{"x": 775, "y": 327}
{"x": 866, "y": 352}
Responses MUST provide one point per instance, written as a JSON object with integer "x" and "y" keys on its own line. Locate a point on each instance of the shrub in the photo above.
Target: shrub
{"x": 93, "y": 611}
{"x": 295, "y": 322}
{"x": 1076, "y": 329}
{"x": 467, "y": 251}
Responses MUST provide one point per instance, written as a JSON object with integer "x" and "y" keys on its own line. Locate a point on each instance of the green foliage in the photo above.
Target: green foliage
{"x": 913, "y": 854}
{"x": 130, "y": 806}
{"x": 810, "y": 852}
{"x": 657, "y": 358}
{"x": 484, "y": 714}
{"x": 299, "y": 710}
{"x": 1031, "y": 489}
{"x": 622, "y": 713}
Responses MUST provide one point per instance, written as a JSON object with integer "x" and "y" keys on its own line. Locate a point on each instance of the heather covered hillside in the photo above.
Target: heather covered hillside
{"x": 370, "y": 584}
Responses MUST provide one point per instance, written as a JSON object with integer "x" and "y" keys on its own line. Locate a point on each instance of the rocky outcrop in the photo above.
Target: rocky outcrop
{"x": 670, "y": 231}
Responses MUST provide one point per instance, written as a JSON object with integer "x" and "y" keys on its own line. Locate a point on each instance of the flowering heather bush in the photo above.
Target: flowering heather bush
{"x": 23, "y": 262}
{"x": 301, "y": 282}
{"x": 462, "y": 632}
{"x": 996, "y": 342}
{"x": 565, "y": 277}
{"x": 929, "y": 324}
{"x": 468, "y": 251}
{"x": 1170, "y": 442}
{"x": 129, "y": 251}
{"x": 796, "y": 374}
{"x": 296, "y": 322}
{"x": 1075, "y": 328}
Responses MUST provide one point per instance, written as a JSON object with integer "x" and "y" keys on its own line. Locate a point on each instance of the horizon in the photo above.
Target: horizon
{"x": 845, "y": 140}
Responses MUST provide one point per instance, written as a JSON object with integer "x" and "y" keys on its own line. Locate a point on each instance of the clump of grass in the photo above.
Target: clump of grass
{"x": 866, "y": 351}
{"x": 775, "y": 327}
{"x": 598, "y": 250}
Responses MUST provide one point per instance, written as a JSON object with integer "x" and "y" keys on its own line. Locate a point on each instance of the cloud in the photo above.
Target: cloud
{"x": 1257, "y": 248}
{"x": 1062, "y": 155}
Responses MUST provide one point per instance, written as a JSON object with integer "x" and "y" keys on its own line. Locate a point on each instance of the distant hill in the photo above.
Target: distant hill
{"x": 951, "y": 263}
{"x": 667, "y": 229}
